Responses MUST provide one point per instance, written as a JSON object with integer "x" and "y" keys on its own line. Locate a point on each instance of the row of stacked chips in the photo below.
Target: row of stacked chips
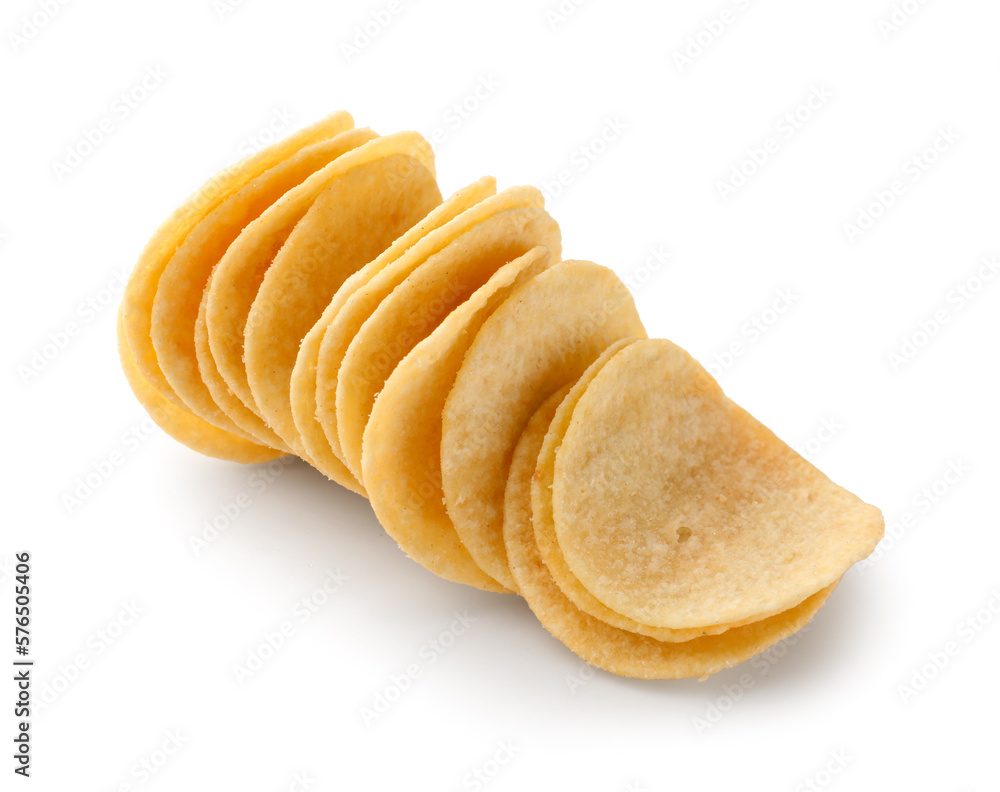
{"x": 503, "y": 410}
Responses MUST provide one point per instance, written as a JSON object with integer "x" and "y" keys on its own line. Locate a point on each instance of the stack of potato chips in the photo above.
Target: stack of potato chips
{"x": 502, "y": 409}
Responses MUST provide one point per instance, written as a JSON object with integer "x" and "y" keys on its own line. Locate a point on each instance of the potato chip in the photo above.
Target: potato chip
{"x": 401, "y": 462}
{"x": 302, "y": 388}
{"x": 234, "y": 283}
{"x": 238, "y": 276}
{"x": 137, "y": 302}
{"x": 245, "y": 418}
{"x": 545, "y": 535}
{"x": 421, "y": 302}
{"x": 183, "y": 282}
{"x": 354, "y": 220}
{"x": 676, "y": 508}
{"x": 152, "y": 388}
{"x": 182, "y": 425}
{"x": 598, "y": 643}
{"x": 530, "y": 347}
{"x": 362, "y": 304}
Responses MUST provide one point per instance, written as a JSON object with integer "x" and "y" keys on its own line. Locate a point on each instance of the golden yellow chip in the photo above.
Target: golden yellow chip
{"x": 545, "y": 535}
{"x": 181, "y": 424}
{"x": 401, "y": 462}
{"x": 598, "y": 643}
{"x": 183, "y": 282}
{"x": 529, "y": 348}
{"x": 302, "y": 388}
{"x": 354, "y": 220}
{"x": 356, "y": 310}
{"x": 229, "y": 402}
{"x": 541, "y": 507}
{"x": 151, "y": 387}
{"x": 137, "y": 302}
{"x": 676, "y": 508}
{"x": 235, "y": 281}
{"x": 421, "y": 302}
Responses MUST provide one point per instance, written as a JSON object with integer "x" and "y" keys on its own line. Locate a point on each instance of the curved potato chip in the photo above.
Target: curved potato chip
{"x": 421, "y": 302}
{"x": 356, "y": 310}
{"x": 237, "y": 278}
{"x": 140, "y": 292}
{"x": 545, "y": 533}
{"x": 233, "y": 286}
{"x": 183, "y": 282}
{"x": 529, "y": 348}
{"x": 598, "y": 643}
{"x": 180, "y": 424}
{"x": 354, "y": 220}
{"x": 673, "y": 506}
{"x": 302, "y": 388}
{"x": 229, "y": 402}
{"x": 401, "y": 462}
{"x": 150, "y": 386}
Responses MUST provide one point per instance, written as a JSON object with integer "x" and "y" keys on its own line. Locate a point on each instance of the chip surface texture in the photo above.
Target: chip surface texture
{"x": 675, "y": 507}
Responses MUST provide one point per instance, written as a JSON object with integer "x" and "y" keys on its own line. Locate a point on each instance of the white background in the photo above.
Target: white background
{"x": 774, "y": 723}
